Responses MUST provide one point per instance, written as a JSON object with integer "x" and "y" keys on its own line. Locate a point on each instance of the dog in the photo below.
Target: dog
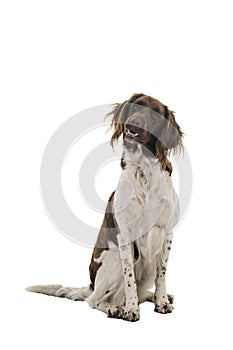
{"x": 132, "y": 249}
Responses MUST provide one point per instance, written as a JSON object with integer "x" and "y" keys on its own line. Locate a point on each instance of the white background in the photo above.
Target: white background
{"x": 60, "y": 57}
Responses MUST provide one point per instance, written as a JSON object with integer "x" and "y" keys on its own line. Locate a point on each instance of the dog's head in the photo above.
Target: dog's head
{"x": 144, "y": 120}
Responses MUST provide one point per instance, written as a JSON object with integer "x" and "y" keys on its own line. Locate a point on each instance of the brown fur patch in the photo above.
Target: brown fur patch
{"x": 168, "y": 166}
{"x": 108, "y": 233}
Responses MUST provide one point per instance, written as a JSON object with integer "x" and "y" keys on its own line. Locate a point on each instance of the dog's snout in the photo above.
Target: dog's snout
{"x": 137, "y": 121}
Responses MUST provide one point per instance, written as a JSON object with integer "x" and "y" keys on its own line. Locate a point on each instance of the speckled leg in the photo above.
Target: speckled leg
{"x": 163, "y": 302}
{"x": 131, "y": 305}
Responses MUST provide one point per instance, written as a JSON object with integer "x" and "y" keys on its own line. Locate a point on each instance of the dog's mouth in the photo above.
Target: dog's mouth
{"x": 131, "y": 134}
{"x": 134, "y": 134}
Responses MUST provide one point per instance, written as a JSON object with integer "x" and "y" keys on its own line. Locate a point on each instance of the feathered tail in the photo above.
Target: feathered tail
{"x": 56, "y": 290}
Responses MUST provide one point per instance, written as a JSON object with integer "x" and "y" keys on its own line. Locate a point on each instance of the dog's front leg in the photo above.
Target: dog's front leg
{"x": 163, "y": 301}
{"x": 121, "y": 201}
{"x": 131, "y": 312}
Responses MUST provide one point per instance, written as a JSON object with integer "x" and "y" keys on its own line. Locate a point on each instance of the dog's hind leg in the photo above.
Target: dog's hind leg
{"x": 150, "y": 296}
{"x": 115, "y": 311}
{"x": 111, "y": 310}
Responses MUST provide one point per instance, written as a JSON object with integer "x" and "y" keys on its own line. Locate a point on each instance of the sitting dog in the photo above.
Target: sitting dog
{"x": 131, "y": 253}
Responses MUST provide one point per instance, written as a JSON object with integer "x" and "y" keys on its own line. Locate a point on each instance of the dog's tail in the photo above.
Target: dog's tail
{"x": 56, "y": 290}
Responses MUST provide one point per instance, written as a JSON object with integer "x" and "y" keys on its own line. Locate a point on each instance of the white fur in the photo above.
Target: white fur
{"x": 141, "y": 202}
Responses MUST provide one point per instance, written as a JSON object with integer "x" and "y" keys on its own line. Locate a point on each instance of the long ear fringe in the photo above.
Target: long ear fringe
{"x": 118, "y": 117}
{"x": 173, "y": 135}
{"x": 117, "y": 121}
{"x": 170, "y": 142}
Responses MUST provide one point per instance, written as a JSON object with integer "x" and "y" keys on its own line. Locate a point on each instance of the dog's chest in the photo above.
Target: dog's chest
{"x": 145, "y": 198}
{"x": 148, "y": 247}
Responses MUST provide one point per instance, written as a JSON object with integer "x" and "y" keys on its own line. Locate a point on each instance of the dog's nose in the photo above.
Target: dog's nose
{"x": 137, "y": 120}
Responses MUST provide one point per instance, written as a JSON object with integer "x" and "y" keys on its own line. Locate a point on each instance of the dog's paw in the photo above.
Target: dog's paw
{"x": 170, "y": 298}
{"x": 127, "y": 314}
{"x": 165, "y": 308}
{"x": 131, "y": 314}
{"x": 115, "y": 311}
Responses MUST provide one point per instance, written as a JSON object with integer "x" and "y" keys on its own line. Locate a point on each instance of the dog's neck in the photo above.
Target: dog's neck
{"x": 135, "y": 161}
{"x": 140, "y": 158}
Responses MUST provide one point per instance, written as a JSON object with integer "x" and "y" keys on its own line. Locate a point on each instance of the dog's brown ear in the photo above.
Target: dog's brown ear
{"x": 118, "y": 119}
{"x": 172, "y": 134}
{"x": 119, "y": 116}
{"x": 169, "y": 138}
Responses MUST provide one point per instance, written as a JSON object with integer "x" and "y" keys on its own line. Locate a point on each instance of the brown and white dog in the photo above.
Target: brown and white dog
{"x": 131, "y": 253}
